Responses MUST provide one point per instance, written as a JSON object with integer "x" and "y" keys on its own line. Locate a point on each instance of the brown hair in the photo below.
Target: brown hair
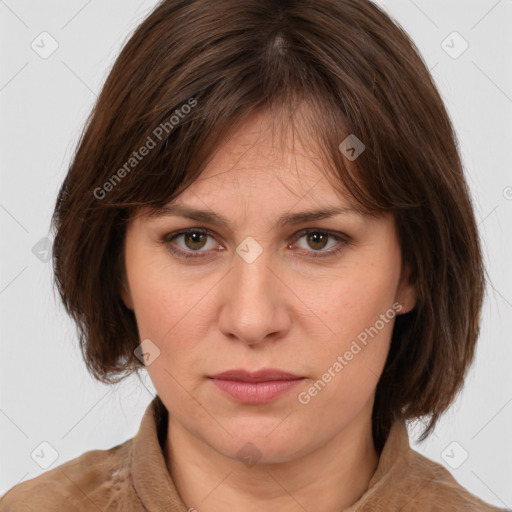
{"x": 186, "y": 79}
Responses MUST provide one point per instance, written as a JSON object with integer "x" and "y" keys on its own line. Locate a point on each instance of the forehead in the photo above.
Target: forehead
{"x": 264, "y": 160}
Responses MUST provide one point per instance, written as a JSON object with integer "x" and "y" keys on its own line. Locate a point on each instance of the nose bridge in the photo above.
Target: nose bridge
{"x": 252, "y": 277}
{"x": 252, "y": 272}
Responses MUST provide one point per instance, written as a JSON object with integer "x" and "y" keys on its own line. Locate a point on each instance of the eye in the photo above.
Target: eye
{"x": 194, "y": 240}
{"x": 319, "y": 239}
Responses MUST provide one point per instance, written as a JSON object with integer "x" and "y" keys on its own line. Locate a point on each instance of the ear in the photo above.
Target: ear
{"x": 124, "y": 291}
{"x": 126, "y": 297}
{"x": 407, "y": 293}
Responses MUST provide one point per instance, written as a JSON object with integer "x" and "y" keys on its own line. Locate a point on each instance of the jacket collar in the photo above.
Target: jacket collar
{"x": 150, "y": 475}
{"x": 394, "y": 457}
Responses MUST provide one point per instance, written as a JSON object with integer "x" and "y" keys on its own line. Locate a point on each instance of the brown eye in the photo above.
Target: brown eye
{"x": 317, "y": 240}
{"x": 192, "y": 243}
{"x": 195, "y": 240}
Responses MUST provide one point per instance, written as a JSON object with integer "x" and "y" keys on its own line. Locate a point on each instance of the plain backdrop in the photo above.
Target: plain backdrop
{"x": 46, "y": 395}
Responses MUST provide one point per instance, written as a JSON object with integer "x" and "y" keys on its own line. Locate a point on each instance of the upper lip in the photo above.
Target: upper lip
{"x": 264, "y": 375}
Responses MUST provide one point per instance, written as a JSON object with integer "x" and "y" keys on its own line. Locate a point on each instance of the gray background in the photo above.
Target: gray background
{"x": 46, "y": 394}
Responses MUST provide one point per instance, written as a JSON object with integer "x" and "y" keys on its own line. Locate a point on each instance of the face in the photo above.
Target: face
{"x": 315, "y": 298}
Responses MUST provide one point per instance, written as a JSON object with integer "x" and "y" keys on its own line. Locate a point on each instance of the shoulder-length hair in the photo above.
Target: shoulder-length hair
{"x": 188, "y": 77}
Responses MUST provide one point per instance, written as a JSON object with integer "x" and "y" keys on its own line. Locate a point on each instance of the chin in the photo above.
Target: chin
{"x": 259, "y": 443}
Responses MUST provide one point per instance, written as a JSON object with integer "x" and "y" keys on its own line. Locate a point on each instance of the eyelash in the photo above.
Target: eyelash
{"x": 168, "y": 238}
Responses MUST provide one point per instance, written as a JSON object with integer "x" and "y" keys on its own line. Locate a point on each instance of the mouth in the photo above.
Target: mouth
{"x": 257, "y": 387}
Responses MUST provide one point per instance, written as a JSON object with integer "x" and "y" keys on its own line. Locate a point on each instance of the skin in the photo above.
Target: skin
{"x": 286, "y": 309}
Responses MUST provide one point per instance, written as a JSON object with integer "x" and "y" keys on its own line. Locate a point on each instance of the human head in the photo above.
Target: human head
{"x": 187, "y": 86}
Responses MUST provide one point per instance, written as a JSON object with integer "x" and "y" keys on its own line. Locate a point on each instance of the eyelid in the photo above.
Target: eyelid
{"x": 342, "y": 238}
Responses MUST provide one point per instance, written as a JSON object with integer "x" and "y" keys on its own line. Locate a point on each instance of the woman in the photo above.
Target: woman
{"x": 268, "y": 212}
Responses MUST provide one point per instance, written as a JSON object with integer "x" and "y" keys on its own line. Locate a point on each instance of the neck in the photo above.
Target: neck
{"x": 318, "y": 480}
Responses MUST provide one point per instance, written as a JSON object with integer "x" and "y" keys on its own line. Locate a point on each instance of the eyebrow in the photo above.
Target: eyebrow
{"x": 211, "y": 217}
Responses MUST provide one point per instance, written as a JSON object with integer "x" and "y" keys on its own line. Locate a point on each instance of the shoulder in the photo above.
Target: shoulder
{"x": 431, "y": 487}
{"x": 96, "y": 480}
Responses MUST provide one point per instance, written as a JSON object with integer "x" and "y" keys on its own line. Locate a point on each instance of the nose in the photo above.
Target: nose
{"x": 254, "y": 307}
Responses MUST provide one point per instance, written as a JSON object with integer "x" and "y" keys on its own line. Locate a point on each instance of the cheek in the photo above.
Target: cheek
{"x": 161, "y": 301}
{"x": 167, "y": 314}
{"x": 354, "y": 301}
{"x": 152, "y": 308}
{"x": 347, "y": 364}
{"x": 357, "y": 310}
{"x": 170, "y": 311}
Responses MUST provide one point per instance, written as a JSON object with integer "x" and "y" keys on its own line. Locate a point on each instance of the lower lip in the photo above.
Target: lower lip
{"x": 256, "y": 392}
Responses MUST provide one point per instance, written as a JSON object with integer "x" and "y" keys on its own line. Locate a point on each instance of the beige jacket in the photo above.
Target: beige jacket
{"x": 133, "y": 477}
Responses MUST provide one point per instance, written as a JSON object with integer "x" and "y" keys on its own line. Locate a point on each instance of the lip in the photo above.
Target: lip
{"x": 264, "y": 375}
{"x": 257, "y": 387}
